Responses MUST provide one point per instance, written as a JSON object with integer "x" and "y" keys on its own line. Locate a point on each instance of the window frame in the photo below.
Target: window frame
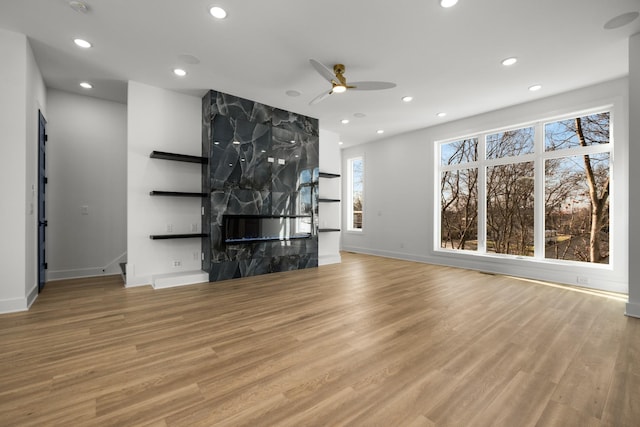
{"x": 538, "y": 157}
{"x": 350, "y": 181}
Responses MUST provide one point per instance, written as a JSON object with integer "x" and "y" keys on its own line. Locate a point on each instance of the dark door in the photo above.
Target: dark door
{"x": 42, "y": 213}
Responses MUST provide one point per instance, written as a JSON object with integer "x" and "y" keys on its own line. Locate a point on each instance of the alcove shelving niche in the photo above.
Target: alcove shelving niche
{"x": 162, "y": 193}
{"x": 332, "y": 200}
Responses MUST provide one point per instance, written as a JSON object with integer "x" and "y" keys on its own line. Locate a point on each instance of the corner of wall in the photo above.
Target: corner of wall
{"x": 13, "y": 305}
{"x": 32, "y": 295}
{"x": 632, "y": 310}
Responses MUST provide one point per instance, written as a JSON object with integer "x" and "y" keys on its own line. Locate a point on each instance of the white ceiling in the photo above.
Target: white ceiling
{"x": 447, "y": 59}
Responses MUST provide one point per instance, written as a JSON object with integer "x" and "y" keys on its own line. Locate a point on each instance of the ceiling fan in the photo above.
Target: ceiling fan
{"x": 339, "y": 82}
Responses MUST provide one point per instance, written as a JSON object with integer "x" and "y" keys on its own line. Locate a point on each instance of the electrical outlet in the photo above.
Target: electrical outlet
{"x": 177, "y": 263}
{"x": 582, "y": 280}
{"x": 194, "y": 228}
{"x": 169, "y": 228}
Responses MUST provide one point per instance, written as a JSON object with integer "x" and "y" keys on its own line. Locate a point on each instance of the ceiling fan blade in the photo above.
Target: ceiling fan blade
{"x": 320, "y": 97}
{"x": 323, "y": 71}
{"x": 371, "y": 85}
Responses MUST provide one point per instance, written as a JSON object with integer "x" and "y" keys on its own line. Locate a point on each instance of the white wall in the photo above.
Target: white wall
{"x": 21, "y": 95}
{"x": 36, "y": 100}
{"x": 329, "y": 213}
{"x": 399, "y": 200}
{"x": 86, "y": 167}
{"x": 161, "y": 120}
{"x": 633, "y": 307}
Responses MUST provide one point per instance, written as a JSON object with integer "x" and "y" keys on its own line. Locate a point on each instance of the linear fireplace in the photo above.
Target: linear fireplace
{"x": 259, "y": 228}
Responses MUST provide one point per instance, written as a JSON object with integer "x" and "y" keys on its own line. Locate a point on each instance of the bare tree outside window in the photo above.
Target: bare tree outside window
{"x": 459, "y": 209}
{"x": 510, "y": 188}
{"x": 577, "y": 191}
{"x": 459, "y": 196}
{"x": 510, "y": 143}
{"x": 576, "y": 158}
{"x": 357, "y": 193}
{"x": 510, "y": 206}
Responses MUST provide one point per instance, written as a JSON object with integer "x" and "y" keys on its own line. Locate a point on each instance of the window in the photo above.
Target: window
{"x": 356, "y": 194}
{"x": 491, "y": 202}
{"x": 510, "y": 192}
{"x": 577, "y": 176}
{"x": 459, "y": 195}
{"x": 307, "y": 184}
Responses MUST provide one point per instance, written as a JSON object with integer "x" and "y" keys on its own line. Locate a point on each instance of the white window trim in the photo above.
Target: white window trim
{"x": 349, "y": 228}
{"x": 538, "y": 157}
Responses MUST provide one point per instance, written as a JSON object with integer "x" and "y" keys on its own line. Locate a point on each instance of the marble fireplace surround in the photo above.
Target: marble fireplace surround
{"x": 262, "y": 162}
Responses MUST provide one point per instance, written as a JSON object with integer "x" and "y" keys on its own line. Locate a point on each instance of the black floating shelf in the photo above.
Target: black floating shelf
{"x": 327, "y": 230}
{"x": 176, "y": 236}
{"x": 177, "y": 157}
{"x": 328, "y": 175}
{"x": 328, "y": 200}
{"x": 176, "y": 193}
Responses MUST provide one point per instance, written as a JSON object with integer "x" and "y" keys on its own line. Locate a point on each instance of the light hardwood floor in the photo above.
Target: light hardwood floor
{"x": 369, "y": 342}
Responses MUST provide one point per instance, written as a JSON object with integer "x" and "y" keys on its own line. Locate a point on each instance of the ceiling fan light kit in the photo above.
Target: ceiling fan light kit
{"x": 339, "y": 82}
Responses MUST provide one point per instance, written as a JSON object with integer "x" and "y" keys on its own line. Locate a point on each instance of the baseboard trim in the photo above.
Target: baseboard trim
{"x": 113, "y": 267}
{"x": 135, "y": 281}
{"x": 13, "y": 305}
{"x": 32, "y": 295}
{"x": 171, "y": 280}
{"x": 632, "y": 310}
{"x": 510, "y": 267}
{"x": 329, "y": 259}
{"x": 80, "y": 273}
{"x": 390, "y": 254}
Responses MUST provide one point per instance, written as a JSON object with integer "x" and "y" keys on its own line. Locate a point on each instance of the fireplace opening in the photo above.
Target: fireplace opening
{"x": 257, "y": 228}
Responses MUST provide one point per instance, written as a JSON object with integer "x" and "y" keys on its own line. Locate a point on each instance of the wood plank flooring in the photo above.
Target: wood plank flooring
{"x": 369, "y": 342}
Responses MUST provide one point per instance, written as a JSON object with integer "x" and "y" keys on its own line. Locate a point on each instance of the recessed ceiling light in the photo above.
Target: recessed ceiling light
{"x": 509, "y": 61}
{"x": 621, "y": 20}
{"x": 179, "y": 72}
{"x": 292, "y": 93}
{"x": 407, "y": 98}
{"x": 380, "y": 131}
{"x": 79, "y": 6}
{"x": 535, "y": 88}
{"x": 448, "y": 3}
{"x": 359, "y": 115}
{"x": 340, "y": 142}
{"x": 188, "y": 59}
{"x": 216, "y": 142}
{"x": 242, "y": 160}
{"x": 344, "y": 121}
{"x": 218, "y": 12}
{"x": 441, "y": 114}
{"x": 263, "y": 151}
{"x": 236, "y": 142}
{"x": 293, "y": 141}
{"x": 82, "y": 43}
{"x": 86, "y": 85}
{"x": 230, "y": 164}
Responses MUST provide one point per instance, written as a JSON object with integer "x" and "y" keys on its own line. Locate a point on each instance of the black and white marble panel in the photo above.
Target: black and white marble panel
{"x": 239, "y": 154}
{"x": 294, "y": 122}
{"x": 240, "y": 108}
{"x": 262, "y": 161}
